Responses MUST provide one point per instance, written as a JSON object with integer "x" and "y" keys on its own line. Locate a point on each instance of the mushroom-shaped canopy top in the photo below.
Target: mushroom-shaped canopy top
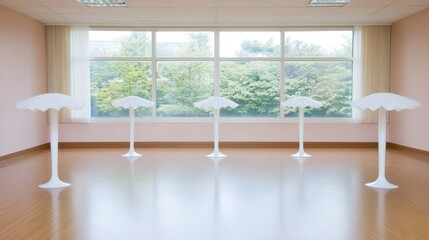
{"x": 388, "y": 101}
{"x": 132, "y": 102}
{"x": 301, "y": 102}
{"x": 216, "y": 103}
{"x": 47, "y": 101}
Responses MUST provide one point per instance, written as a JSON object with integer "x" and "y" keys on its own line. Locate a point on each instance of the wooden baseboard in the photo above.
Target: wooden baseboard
{"x": 15, "y": 154}
{"x": 221, "y": 144}
{"x": 405, "y": 148}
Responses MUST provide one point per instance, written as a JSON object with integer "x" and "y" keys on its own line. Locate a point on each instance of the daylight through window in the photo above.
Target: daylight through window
{"x": 256, "y": 69}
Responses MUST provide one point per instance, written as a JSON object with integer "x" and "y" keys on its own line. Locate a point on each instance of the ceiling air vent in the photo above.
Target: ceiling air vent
{"x": 328, "y": 3}
{"x": 103, "y": 3}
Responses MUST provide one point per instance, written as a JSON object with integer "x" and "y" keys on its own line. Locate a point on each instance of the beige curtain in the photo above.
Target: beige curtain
{"x": 58, "y": 51}
{"x": 68, "y": 68}
{"x": 375, "y": 64}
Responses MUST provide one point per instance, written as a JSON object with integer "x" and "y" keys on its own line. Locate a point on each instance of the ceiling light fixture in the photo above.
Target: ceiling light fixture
{"x": 103, "y": 3}
{"x": 328, "y": 3}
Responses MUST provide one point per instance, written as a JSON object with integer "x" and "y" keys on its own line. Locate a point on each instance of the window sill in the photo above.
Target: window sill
{"x": 255, "y": 120}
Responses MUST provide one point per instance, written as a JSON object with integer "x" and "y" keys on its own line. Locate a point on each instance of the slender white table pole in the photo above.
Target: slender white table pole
{"x": 55, "y": 181}
{"x": 216, "y": 152}
{"x": 381, "y": 181}
{"x": 131, "y": 152}
{"x": 301, "y": 152}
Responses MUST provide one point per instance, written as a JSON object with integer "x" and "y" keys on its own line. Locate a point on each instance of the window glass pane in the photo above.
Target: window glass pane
{"x": 249, "y": 44}
{"x": 329, "y": 82}
{"x": 119, "y": 44}
{"x": 318, "y": 43}
{"x": 180, "y": 85}
{"x": 254, "y": 85}
{"x": 184, "y": 44}
{"x": 112, "y": 80}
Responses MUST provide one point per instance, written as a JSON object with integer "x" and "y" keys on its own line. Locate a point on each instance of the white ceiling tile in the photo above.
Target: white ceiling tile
{"x": 134, "y": 11}
{"x": 358, "y": 10}
{"x": 193, "y": 3}
{"x": 49, "y": 18}
{"x": 192, "y": 19}
{"x": 32, "y": 10}
{"x": 57, "y": 3}
{"x": 399, "y": 10}
{"x": 237, "y": 11}
{"x": 149, "y": 3}
{"x": 237, "y": 4}
{"x": 282, "y": 3}
{"x": 70, "y": 10}
{"x": 18, "y": 3}
{"x": 346, "y": 18}
{"x": 218, "y": 12}
{"x": 369, "y": 3}
{"x": 185, "y": 12}
{"x": 384, "y": 18}
{"x": 410, "y": 3}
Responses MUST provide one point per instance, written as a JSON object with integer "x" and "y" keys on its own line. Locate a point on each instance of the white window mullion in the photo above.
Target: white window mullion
{"x": 282, "y": 73}
{"x": 154, "y": 73}
{"x": 216, "y": 73}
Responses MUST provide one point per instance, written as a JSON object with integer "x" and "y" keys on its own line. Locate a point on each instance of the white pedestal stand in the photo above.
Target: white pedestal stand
{"x": 381, "y": 181}
{"x": 301, "y": 152}
{"x": 131, "y": 152}
{"x": 54, "y": 182}
{"x": 216, "y": 153}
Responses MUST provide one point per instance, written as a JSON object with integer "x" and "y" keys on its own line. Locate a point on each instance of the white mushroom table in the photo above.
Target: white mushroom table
{"x": 216, "y": 103}
{"x": 301, "y": 102}
{"x": 52, "y": 102}
{"x": 132, "y": 102}
{"x": 383, "y": 102}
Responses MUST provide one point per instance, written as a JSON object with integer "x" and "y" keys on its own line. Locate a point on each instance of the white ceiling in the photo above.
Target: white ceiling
{"x": 218, "y": 12}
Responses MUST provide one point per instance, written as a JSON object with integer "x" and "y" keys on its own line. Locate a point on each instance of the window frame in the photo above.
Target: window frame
{"x": 216, "y": 59}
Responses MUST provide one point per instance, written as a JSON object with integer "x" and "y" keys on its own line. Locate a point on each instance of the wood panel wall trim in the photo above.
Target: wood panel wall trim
{"x": 221, "y": 144}
{"x": 28, "y": 150}
{"x": 405, "y": 148}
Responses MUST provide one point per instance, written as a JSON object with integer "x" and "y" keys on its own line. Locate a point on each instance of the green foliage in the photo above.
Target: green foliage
{"x": 180, "y": 85}
{"x": 135, "y": 45}
{"x": 114, "y": 80}
{"x": 198, "y": 46}
{"x": 130, "y": 79}
{"x": 255, "y": 48}
{"x": 254, "y": 85}
{"x": 327, "y": 82}
{"x": 298, "y": 48}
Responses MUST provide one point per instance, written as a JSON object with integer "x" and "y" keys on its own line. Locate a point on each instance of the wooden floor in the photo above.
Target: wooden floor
{"x": 181, "y": 194}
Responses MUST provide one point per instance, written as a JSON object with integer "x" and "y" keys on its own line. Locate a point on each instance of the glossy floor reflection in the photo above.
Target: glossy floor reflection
{"x": 181, "y": 194}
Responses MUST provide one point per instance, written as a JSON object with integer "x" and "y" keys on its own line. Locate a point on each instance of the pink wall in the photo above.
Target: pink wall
{"x": 229, "y": 132}
{"x": 410, "y": 77}
{"x": 22, "y": 74}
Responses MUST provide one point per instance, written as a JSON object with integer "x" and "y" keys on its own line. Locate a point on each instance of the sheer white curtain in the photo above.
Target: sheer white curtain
{"x": 357, "y": 69}
{"x": 375, "y": 64}
{"x": 79, "y": 74}
{"x": 68, "y": 68}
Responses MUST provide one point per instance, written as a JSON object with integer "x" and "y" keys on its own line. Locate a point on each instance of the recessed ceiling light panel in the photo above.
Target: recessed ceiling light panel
{"x": 103, "y": 3}
{"x": 328, "y": 3}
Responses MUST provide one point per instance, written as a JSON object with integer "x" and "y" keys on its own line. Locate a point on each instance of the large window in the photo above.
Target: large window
{"x": 256, "y": 69}
{"x": 120, "y": 66}
{"x": 318, "y": 64}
